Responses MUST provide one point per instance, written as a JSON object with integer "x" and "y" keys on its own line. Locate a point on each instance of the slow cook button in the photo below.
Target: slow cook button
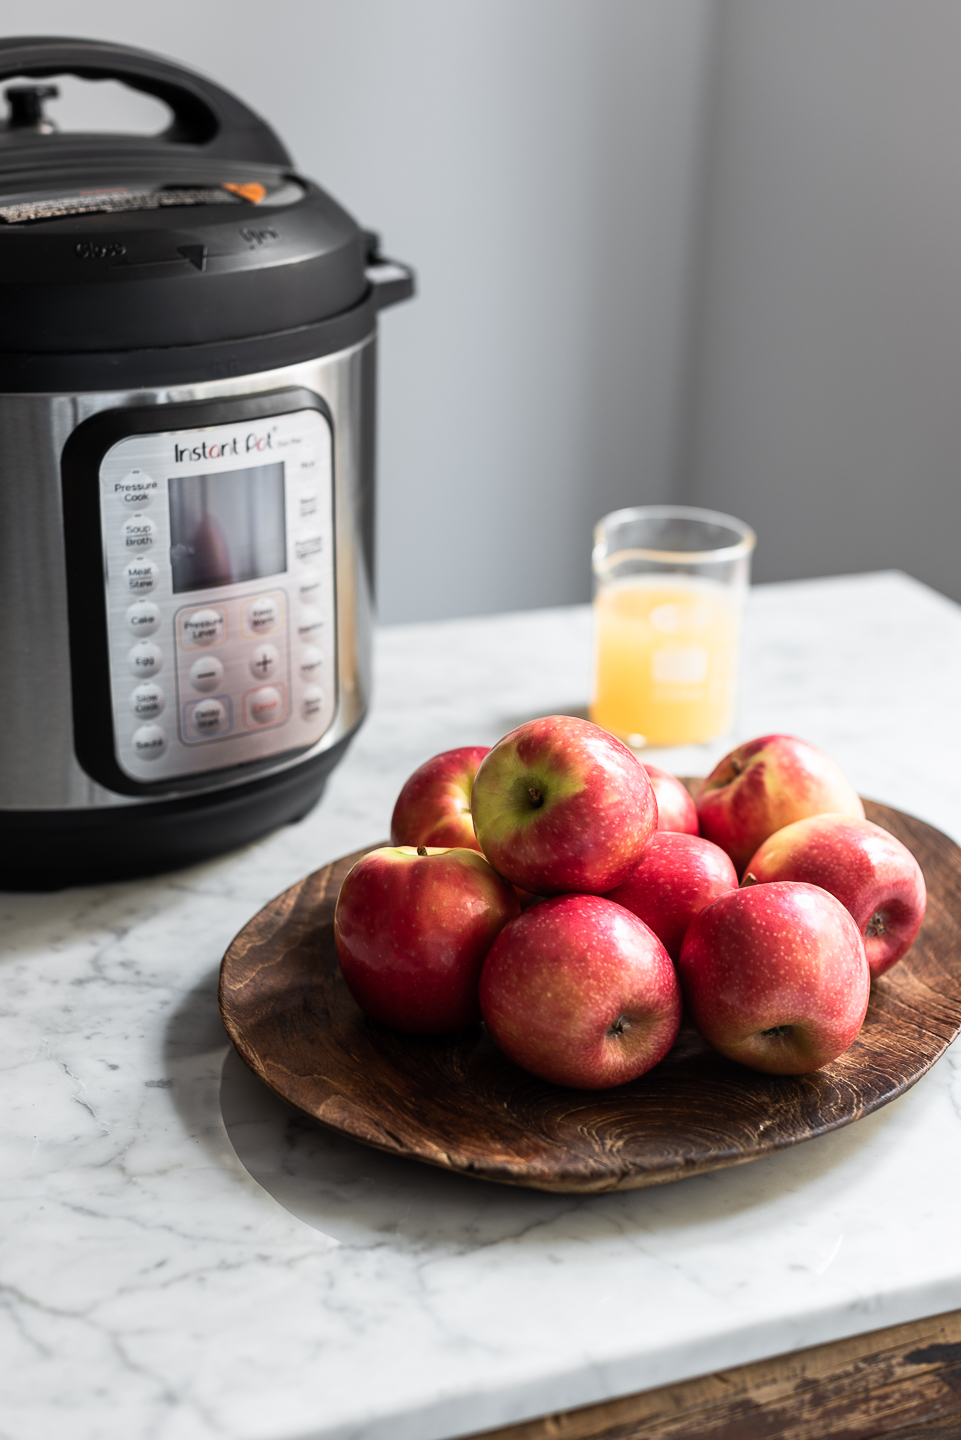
{"x": 208, "y": 717}
{"x": 311, "y": 662}
{"x": 145, "y": 658}
{"x": 138, "y": 532}
{"x": 149, "y": 742}
{"x": 311, "y": 702}
{"x": 264, "y": 705}
{"x": 147, "y": 700}
{"x": 310, "y": 622}
{"x": 206, "y": 673}
{"x": 203, "y": 627}
{"x": 143, "y": 617}
{"x": 141, "y": 576}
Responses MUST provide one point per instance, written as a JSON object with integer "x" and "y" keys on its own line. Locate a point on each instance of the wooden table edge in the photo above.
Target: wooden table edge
{"x": 904, "y": 1380}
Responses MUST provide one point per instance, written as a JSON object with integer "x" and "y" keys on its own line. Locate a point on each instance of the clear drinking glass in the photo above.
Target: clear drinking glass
{"x": 670, "y": 583}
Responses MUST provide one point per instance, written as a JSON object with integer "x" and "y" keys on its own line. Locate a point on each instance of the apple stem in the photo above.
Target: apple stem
{"x": 537, "y": 799}
{"x": 876, "y": 925}
{"x": 736, "y": 765}
{"x": 422, "y": 849}
{"x": 776, "y": 1030}
{"x": 618, "y": 1026}
{"x": 749, "y": 879}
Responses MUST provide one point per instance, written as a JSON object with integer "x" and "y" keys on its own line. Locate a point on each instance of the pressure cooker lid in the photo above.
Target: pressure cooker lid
{"x": 201, "y": 234}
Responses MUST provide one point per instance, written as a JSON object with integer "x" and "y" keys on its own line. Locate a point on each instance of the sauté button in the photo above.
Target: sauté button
{"x": 138, "y": 532}
{"x": 206, "y": 673}
{"x": 203, "y": 627}
{"x": 311, "y": 702}
{"x": 208, "y": 716}
{"x": 141, "y": 576}
{"x": 149, "y": 742}
{"x": 263, "y": 662}
{"x": 145, "y": 658}
{"x": 143, "y": 617}
{"x": 147, "y": 699}
{"x": 311, "y": 661}
{"x": 264, "y": 705}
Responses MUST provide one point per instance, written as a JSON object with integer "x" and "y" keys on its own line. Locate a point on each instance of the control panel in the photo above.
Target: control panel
{"x": 218, "y": 545}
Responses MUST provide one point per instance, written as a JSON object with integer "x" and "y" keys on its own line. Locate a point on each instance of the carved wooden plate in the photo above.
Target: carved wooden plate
{"x": 457, "y": 1102}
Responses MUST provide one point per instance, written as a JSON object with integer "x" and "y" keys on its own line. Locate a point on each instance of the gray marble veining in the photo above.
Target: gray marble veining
{"x": 183, "y": 1258}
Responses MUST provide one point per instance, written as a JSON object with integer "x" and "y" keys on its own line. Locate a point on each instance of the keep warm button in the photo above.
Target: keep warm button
{"x": 264, "y": 706}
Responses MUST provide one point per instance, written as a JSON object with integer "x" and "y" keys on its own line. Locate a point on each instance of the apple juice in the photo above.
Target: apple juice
{"x": 665, "y": 652}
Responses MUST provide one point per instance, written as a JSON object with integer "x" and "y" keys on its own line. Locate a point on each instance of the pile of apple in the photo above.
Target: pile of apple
{"x": 576, "y": 900}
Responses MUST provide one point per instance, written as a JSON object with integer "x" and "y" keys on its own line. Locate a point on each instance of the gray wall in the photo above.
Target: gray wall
{"x": 825, "y": 403}
{"x": 537, "y": 161}
{"x": 700, "y": 249}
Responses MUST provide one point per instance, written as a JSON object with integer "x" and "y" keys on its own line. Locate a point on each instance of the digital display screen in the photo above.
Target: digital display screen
{"x": 227, "y": 527}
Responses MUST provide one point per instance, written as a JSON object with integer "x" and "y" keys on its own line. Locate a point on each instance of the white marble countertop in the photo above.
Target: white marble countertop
{"x": 182, "y": 1258}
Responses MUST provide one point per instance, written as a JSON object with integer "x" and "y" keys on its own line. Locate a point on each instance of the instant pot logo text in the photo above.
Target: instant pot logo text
{"x": 251, "y": 444}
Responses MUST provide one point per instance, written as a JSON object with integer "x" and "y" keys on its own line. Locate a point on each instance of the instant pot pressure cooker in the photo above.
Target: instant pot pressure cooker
{"x": 187, "y": 343}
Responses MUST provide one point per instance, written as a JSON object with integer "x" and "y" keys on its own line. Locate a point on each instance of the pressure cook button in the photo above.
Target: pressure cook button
{"x": 147, "y": 699}
{"x": 311, "y": 702}
{"x": 311, "y": 661}
{"x": 135, "y": 490}
{"x": 208, "y": 717}
{"x": 143, "y": 617}
{"x": 308, "y": 586}
{"x": 262, "y": 614}
{"x": 310, "y": 622}
{"x": 203, "y": 627}
{"x": 263, "y": 662}
{"x": 138, "y": 532}
{"x": 145, "y": 658}
{"x": 149, "y": 742}
{"x": 264, "y": 705}
{"x": 140, "y": 576}
{"x": 206, "y": 673}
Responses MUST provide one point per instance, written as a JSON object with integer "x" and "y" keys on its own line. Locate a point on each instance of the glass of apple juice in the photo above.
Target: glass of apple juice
{"x": 670, "y": 583}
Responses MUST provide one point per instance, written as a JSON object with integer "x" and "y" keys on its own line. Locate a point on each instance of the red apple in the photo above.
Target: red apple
{"x": 767, "y": 784}
{"x": 676, "y": 877}
{"x": 560, "y": 805}
{"x": 776, "y": 977}
{"x": 412, "y": 929}
{"x": 433, "y": 808}
{"x": 580, "y": 992}
{"x": 675, "y": 808}
{"x": 873, "y": 875}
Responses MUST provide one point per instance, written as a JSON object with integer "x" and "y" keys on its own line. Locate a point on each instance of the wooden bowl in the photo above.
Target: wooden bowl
{"x": 455, "y": 1101}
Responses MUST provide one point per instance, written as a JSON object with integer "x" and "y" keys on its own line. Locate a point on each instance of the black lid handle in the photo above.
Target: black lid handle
{"x": 204, "y": 115}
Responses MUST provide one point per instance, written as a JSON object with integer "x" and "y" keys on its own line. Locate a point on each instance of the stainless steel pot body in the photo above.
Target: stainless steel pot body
{"x": 44, "y": 786}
